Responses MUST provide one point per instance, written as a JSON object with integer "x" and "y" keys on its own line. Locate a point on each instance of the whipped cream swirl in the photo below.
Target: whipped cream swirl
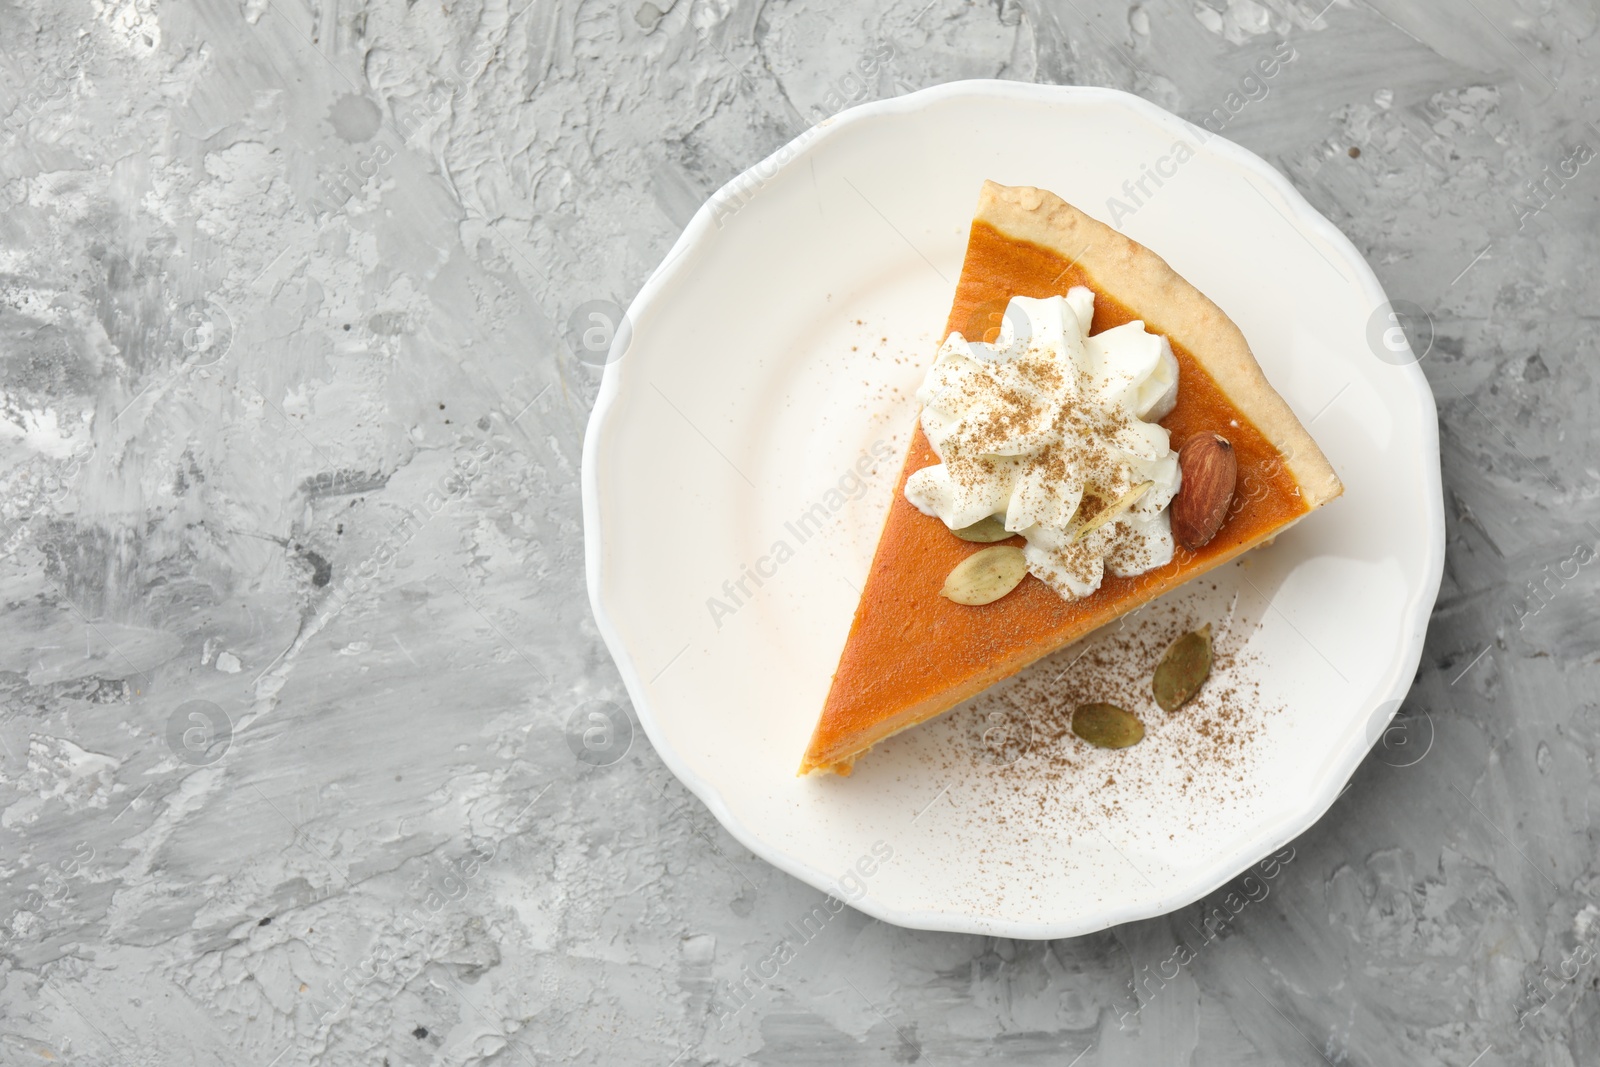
{"x": 1047, "y": 428}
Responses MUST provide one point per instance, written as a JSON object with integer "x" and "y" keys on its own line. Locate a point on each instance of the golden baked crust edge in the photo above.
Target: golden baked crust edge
{"x": 1142, "y": 280}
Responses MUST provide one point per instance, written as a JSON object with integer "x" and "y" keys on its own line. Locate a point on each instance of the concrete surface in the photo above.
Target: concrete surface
{"x": 296, "y": 642}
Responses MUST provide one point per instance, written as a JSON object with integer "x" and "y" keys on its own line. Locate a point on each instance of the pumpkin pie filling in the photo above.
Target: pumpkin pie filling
{"x": 912, "y": 653}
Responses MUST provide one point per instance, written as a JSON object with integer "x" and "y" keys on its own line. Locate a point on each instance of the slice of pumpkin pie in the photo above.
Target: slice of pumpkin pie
{"x": 1094, "y": 432}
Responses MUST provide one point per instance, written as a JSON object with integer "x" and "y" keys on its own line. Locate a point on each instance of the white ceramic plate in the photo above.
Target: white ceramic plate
{"x": 782, "y": 342}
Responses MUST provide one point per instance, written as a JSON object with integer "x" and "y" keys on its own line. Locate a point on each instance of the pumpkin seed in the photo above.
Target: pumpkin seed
{"x": 986, "y": 575}
{"x": 1112, "y": 511}
{"x": 1107, "y": 726}
{"x": 985, "y": 531}
{"x": 1183, "y": 669}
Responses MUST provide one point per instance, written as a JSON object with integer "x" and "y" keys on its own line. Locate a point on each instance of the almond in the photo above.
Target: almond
{"x": 1209, "y": 473}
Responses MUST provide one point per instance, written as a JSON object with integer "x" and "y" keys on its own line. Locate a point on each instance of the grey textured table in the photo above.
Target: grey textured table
{"x": 294, "y": 611}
